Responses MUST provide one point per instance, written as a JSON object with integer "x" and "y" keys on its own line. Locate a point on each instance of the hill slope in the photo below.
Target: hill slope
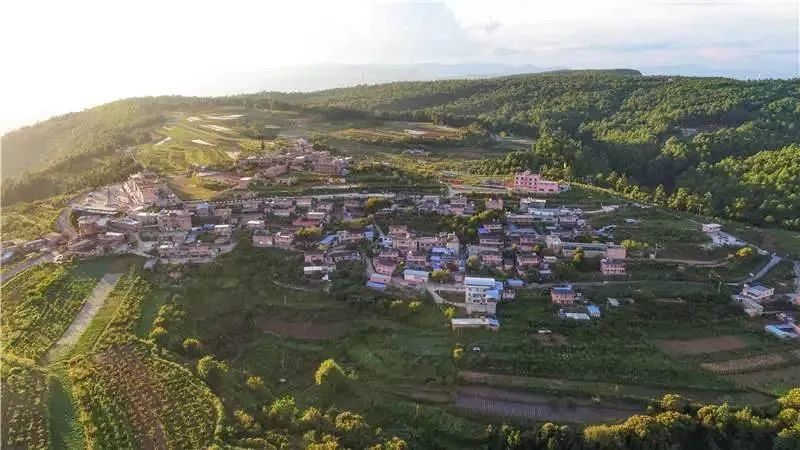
{"x": 599, "y": 126}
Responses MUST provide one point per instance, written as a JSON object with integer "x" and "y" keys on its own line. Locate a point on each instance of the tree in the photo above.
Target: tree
{"x": 745, "y": 252}
{"x": 255, "y": 383}
{"x": 330, "y": 373}
{"x": 473, "y": 262}
{"x": 373, "y": 204}
{"x": 458, "y": 354}
{"x": 159, "y": 335}
{"x": 440, "y": 275}
{"x": 211, "y": 370}
{"x": 449, "y": 312}
{"x": 246, "y": 421}
{"x": 578, "y": 256}
{"x": 191, "y": 346}
{"x": 282, "y": 412}
{"x": 414, "y": 306}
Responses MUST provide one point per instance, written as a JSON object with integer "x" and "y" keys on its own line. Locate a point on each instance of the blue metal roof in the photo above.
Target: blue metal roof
{"x": 327, "y": 240}
{"x": 415, "y": 273}
{"x": 376, "y": 285}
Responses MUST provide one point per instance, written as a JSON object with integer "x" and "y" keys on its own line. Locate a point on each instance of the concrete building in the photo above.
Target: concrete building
{"x": 563, "y": 295}
{"x": 534, "y": 183}
{"x": 612, "y": 267}
{"x": 482, "y": 295}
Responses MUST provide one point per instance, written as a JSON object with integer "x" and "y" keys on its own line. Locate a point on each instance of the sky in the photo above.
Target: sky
{"x": 65, "y": 56}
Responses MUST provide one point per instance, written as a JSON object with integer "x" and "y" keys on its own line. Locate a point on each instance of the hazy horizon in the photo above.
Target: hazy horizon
{"x": 82, "y": 54}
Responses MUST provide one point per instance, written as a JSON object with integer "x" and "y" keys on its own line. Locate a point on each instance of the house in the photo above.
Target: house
{"x": 397, "y": 231}
{"x": 313, "y": 257}
{"x": 482, "y": 294}
{"x": 223, "y": 214}
{"x": 342, "y": 255}
{"x": 263, "y": 238}
{"x": 616, "y": 252}
{"x": 491, "y": 257}
{"x": 757, "y": 292}
{"x": 491, "y": 240}
{"x": 534, "y": 183}
{"x": 427, "y": 242}
{"x": 281, "y": 212}
{"x": 284, "y": 239}
{"x": 468, "y": 322}
{"x": 416, "y": 258}
{"x": 385, "y": 266}
{"x": 350, "y": 236}
{"x": 182, "y": 254}
{"x": 594, "y": 311}
{"x": 494, "y": 204}
{"x": 318, "y": 270}
{"x": 573, "y": 315}
{"x": 787, "y": 330}
{"x": 224, "y": 230}
{"x": 612, "y": 267}
{"x": 304, "y": 202}
{"x": 415, "y": 276}
{"x": 526, "y": 260}
{"x": 244, "y": 182}
{"x": 563, "y": 295}
{"x": 53, "y": 239}
{"x": 174, "y": 220}
{"x": 405, "y": 243}
{"x": 379, "y": 278}
{"x": 526, "y": 203}
{"x": 711, "y": 228}
{"x": 255, "y": 224}
{"x": 453, "y": 243}
{"x": 91, "y": 225}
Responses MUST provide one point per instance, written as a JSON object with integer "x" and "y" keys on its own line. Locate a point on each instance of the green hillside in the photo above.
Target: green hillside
{"x": 644, "y": 136}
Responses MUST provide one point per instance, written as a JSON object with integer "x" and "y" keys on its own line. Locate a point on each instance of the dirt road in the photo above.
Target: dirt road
{"x": 93, "y": 304}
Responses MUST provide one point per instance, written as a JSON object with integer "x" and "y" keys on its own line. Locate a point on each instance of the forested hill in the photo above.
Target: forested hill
{"x": 657, "y": 137}
{"x": 607, "y": 126}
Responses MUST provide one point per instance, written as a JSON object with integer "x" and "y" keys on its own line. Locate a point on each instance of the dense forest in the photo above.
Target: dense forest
{"x": 714, "y": 145}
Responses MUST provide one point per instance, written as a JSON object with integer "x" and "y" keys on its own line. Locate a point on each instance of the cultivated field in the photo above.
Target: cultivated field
{"x": 702, "y": 345}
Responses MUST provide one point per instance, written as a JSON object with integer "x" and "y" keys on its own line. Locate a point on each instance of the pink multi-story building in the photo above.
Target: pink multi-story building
{"x": 611, "y": 267}
{"x": 385, "y": 266}
{"x": 534, "y": 183}
{"x": 616, "y": 252}
{"x": 563, "y": 295}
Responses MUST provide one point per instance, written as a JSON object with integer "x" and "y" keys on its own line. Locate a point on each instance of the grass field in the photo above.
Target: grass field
{"x": 30, "y": 220}
{"x": 66, "y": 431}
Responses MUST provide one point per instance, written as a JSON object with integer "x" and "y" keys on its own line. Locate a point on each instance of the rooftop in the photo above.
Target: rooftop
{"x": 477, "y": 281}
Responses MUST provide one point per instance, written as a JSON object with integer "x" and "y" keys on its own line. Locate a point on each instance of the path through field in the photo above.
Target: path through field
{"x": 501, "y": 403}
{"x": 93, "y": 304}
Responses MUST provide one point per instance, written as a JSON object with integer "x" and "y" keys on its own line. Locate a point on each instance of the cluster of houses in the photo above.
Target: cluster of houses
{"x": 301, "y": 156}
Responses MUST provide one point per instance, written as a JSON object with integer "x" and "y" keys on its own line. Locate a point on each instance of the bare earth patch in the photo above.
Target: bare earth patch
{"x": 503, "y": 403}
{"x": 741, "y": 365}
{"x": 302, "y": 330}
{"x": 700, "y": 346}
{"x": 550, "y": 339}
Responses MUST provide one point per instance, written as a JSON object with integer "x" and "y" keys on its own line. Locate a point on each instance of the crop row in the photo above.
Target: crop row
{"x": 23, "y": 396}
{"x": 41, "y": 308}
{"x": 146, "y": 401}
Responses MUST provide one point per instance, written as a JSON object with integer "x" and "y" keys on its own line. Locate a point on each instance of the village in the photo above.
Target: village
{"x": 521, "y": 235}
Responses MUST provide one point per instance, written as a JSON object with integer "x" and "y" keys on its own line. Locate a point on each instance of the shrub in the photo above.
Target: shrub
{"x": 191, "y": 346}
{"x": 211, "y": 370}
